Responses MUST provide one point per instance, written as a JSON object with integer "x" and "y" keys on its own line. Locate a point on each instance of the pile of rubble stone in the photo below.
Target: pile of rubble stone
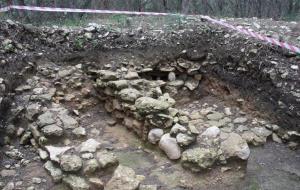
{"x": 144, "y": 105}
{"x": 49, "y": 126}
{"x": 143, "y": 100}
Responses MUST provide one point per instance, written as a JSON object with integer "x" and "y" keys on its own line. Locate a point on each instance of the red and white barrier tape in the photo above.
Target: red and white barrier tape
{"x": 69, "y": 10}
{"x": 4, "y": 9}
{"x": 255, "y": 35}
{"x": 240, "y": 30}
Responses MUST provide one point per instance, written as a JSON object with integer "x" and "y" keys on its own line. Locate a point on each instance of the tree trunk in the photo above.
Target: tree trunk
{"x": 185, "y": 6}
{"x": 21, "y": 13}
{"x": 165, "y": 5}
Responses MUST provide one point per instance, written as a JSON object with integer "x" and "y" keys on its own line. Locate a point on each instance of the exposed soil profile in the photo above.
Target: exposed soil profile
{"x": 182, "y": 109}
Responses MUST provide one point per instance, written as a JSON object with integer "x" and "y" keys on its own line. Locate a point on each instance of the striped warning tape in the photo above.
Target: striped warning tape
{"x": 240, "y": 30}
{"x": 255, "y": 35}
{"x": 69, "y": 10}
{"x": 4, "y": 9}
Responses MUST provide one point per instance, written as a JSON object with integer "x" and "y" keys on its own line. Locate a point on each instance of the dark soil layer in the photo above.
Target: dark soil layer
{"x": 241, "y": 64}
{"x": 254, "y": 85}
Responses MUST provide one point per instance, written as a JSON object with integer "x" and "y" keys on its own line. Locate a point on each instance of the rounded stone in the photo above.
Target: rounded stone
{"x": 171, "y": 76}
{"x": 211, "y": 132}
{"x": 155, "y": 135}
{"x": 169, "y": 145}
{"x": 235, "y": 146}
{"x": 70, "y": 163}
{"x": 198, "y": 159}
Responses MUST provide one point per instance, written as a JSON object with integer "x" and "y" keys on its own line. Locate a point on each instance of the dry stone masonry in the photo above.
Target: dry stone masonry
{"x": 143, "y": 100}
{"x": 146, "y": 107}
{"x": 176, "y": 100}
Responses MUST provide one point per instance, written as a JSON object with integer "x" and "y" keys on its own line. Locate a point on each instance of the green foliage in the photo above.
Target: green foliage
{"x": 79, "y": 43}
{"x": 121, "y": 20}
{"x": 292, "y": 17}
{"x": 4, "y": 16}
{"x": 175, "y": 19}
{"x": 277, "y": 9}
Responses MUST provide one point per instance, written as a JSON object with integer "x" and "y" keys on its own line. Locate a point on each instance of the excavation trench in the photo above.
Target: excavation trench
{"x": 203, "y": 98}
{"x": 192, "y": 115}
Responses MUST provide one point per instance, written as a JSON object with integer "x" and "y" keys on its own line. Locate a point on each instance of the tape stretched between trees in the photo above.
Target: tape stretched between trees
{"x": 273, "y": 41}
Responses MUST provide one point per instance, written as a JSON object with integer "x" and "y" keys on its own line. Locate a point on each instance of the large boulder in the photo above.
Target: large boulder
{"x": 167, "y": 98}
{"x": 169, "y": 145}
{"x": 90, "y": 166}
{"x": 215, "y": 116}
{"x": 64, "y": 73}
{"x": 192, "y": 84}
{"x": 177, "y": 128}
{"x": 54, "y": 171}
{"x": 75, "y": 182}
{"x": 124, "y": 178}
{"x": 52, "y": 130}
{"x": 107, "y": 75}
{"x": 129, "y": 94}
{"x": 70, "y": 163}
{"x": 211, "y": 132}
{"x": 262, "y": 132}
{"x": 131, "y": 75}
{"x": 234, "y": 146}
{"x": 240, "y": 120}
{"x": 251, "y": 138}
{"x": 107, "y": 159}
{"x": 118, "y": 85}
{"x": 91, "y": 145}
{"x": 32, "y": 110}
{"x": 147, "y": 105}
{"x": 68, "y": 121}
{"x": 199, "y": 159}
{"x": 46, "y": 118}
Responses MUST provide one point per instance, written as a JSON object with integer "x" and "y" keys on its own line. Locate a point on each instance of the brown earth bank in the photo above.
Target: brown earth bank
{"x": 205, "y": 69}
{"x": 265, "y": 73}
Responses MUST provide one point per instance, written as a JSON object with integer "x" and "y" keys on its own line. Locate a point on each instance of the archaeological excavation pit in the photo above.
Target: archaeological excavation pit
{"x": 188, "y": 111}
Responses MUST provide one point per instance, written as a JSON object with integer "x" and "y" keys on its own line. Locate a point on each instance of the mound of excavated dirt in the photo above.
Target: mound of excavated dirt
{"x": 199, "y": 96}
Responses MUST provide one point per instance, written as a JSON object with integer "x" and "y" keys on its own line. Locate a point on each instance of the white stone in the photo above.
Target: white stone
{"x": 90, "y": 145}
{"x": 68, "y": 121}
{"x": 52, "y": 130}
{"x": 170, "y": 147}
{"x": 227, "y": 111}
{"x": 55, "y": 172}
{"x": 55, "y": 152}
{"x": 235, "y": 146}
{"x": 155, "y": 135}
{"x": 295, "y": 67}
{"x": 79, "y": 131}
{"x": 124, "y": 178}
{"x": 211, "y": 132}
{"x": 43, "y": 154}
{"x": 171, "y": 76}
